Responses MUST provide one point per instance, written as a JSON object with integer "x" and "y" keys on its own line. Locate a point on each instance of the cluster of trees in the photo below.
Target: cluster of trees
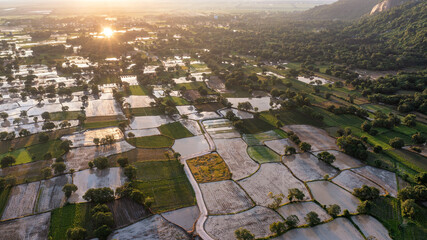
{"x": 360, "y": 112}
{"x": 353, "y": 146}
{"x": 412, "y": 196}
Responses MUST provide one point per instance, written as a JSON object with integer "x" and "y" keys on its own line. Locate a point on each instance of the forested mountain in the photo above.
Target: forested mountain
{"x": 342, "y": 10}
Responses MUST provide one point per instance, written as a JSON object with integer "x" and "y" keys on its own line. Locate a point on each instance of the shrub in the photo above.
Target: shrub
{"x": 417, "y": 138}
{"x": 243, "y": 234}
{"x": 46, "y": 172}
{"x": 363, "y": 207}
{"x": 43, "y": 137}
{"x": 295, "y": 193}
{"x": 378, "y": 149}
{"x": 292, "y": 221}
{"x": 333, "y": 210}
{"x": 421, "y": 178}
{"x": 103, "y": 218}
{"x": 68, "y": 189}
{"x": 123, "y": 162}
{"x": 76, "y": 233}
{"x": 305, "y": 147}
{"x": 103, "y": 232}
{"x": 312, "y": 218}
{"x": 278, "y": 228}
{"x": 7, "y": 161}
{"x": 130, "y": 172}
{"x": 59, "y": 167}
{"x": 326, "y": 157}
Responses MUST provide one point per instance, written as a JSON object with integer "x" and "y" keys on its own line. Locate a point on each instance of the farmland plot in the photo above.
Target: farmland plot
{"x": 261, "y": 138}
{"x": 29, "y": 171}
{"x": 21, "y": 200}
{"x": 35, "y": 127}
{"x": 192, "y": 126}
{"x": 102, "y": 108}
{"x": 350, "y": 180}
{"x": 300, "y": 209}
{"x": 279, "y": 145}
{"x": 143, "y": 132}
{"x": 32, "y": 227}
{"x": 239, "y": 113}
{"x": 209, "y": 168}
{"x": 340, "y": 228}
{"x": 39, "y": 109}
{"x": 224, "y": 197}
{"x": 313, "y": 79}
{"x": 328, "y": 193}
{"x": 183, "y": 217}
{"x": 384, "y": 178}
{"x": 78, "y": 158}
{"x": 51, "y": 195}
{"x": 220, "y": 128}
{"x": 233, "y": 151}
{"x": 139, "y": 101}
{"x": 318, "y": 138}
{"x": 155, "y": 228}
{"x": 263, "y": 104}
{"x": 186, "y": 109}
{"x": 257, "y": 220}
{"x": 144, "y": 122}
{"x": 371, "y": 227}
{"x": 90, "y": 178}
{"x": 308, "y": 167}
{"x": 86, "y": 138}
{"x": 343, "y": 161}
{"x": 271, "y": 177}
{"x": 191, "y": 146}
{"x": 126, "y": 211}
{"x": 263, "y": 154}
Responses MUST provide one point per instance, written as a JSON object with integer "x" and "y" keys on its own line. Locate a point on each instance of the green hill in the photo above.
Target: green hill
{"x": 342, "y": 10}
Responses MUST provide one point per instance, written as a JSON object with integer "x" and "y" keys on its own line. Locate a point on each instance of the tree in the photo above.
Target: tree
{"x": 312, "y": 218}
{"x": 99, "y": 195}
{"x": 130, "y": 172}
{"x": 68, "y": 189}
{"x": 7, "y": 161}
{"x": 46, "y": 116}
{"x": 417, "y": 192}
{"x": 278, "y": 228}
{"x": 305, "y": 147}
{"x": 24, "y": 133}
{"x": 96, "y": 141}
{"x": 66, "y": 145}
{"x": 177, "y": 155}
{"x": 277, "y": 200}
{"x": 48, "y": 126}
{"x": 289, "y": 150}
{"x": 421, "y": 178}
{"x": 326, "y": 157}
{"x": 333, "y": 210}
{"x": 244, "y": 106}
{"x": 410, "y": 120}
{"x": 101, "y": 163}
{"x": 43, "y": 137}
{"x": 131, "y": 135}
{"x": 378, "y": 149}
{"x": 397, "y": 143}
{"x": 123, "y": 161}
{"x": 4, "y": 115}
{"x": 364, "y": 207}
{"x": 353, "y": 147}
{"x": 366, "y": 126}
{"x": 59, "y": 167}
{"x": 103, "y": 232}
{"x": 366, "y": 193}
{"x": 46, "y": 172}
{"x": 76, "y": 233}
{"x": 243, "y": 234}
{"x": 295, "y": 193}
{"x": 81, "y": 118}
{"x": 292, "y": 221}
{"x": 101, "y": 218}
{"x": 418, "y": 138}
{"x": 409, "y": 208}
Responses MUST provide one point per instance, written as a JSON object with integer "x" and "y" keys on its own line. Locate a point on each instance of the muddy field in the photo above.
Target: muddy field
{"x": 183, "y": 217}
{"x": 224, "y": 197}
{"x": 149, "y": 122}
{"x": 307, "y": 167}
{"x": 327, "y": 193}
{"x": 29, "y": 171}
{"x": 155, "y": 228}
{"x": 343, "y": 161}
{"x": 384, "y": 178}
{"x": 126, "y": 211}
{"x": 279, "y": 145}
{"x": 240, "y": 114}
{"x": 271, "y": 177}
{"x": 233, "y": 151}
{"x": 139, "y": 101}
{"x": 78, "y": 158}
{"x": 29, "y": 228}
{"x": 102, "y": 108}
{"x": 51, "y": 195}
{"x": 192, "y": 126}
{"x": 318, "y": 138}
{"x": 21, "y": 201}
{"x": 371, "y": 227}
{"x": 93, "y": 178}
{"x": 350, "y": 180}
{"x": 263, "y": 103}
{"x": 339, "y": 228}
{"x": 86, "y": 138}
{"x": 257, "y": 220}
{"x": 198, "y": 145}
{"x": 301, "y": 209}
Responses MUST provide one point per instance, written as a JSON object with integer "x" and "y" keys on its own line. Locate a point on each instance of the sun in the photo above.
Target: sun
{"x": 108, "y": 32}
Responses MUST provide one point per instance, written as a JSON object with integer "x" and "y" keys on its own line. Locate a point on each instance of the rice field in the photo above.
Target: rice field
{"x": 209, "y": 168}
{"x": 263, "y": 154}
